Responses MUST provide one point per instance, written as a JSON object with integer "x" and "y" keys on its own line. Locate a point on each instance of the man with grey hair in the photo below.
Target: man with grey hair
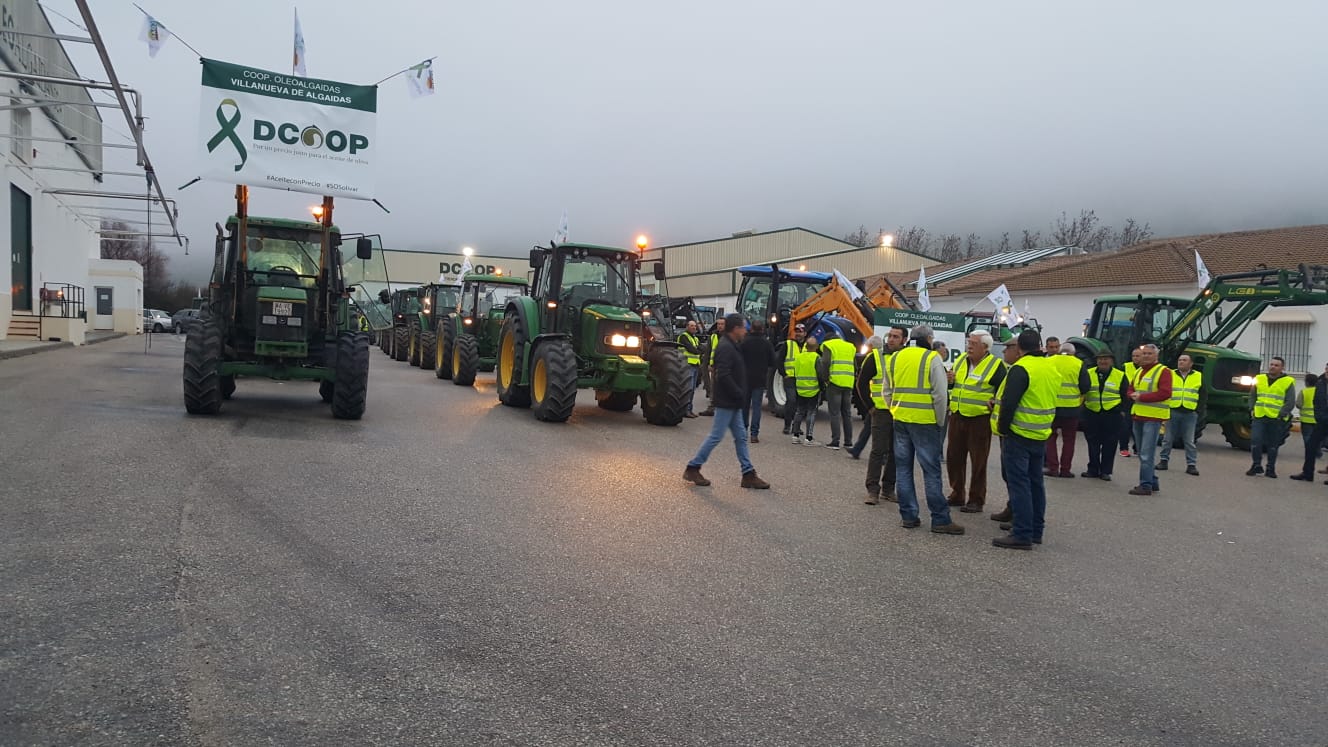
{"x": 916, "y": 386}
{"x": 976, "y": 377}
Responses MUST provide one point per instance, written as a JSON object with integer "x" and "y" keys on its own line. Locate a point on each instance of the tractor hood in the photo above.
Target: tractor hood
{"x": 612, "y": 313}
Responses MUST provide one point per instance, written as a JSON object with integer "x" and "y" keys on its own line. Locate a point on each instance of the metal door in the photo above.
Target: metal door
{"x": 104, "y": 318}
{"x": 20, "y": 242}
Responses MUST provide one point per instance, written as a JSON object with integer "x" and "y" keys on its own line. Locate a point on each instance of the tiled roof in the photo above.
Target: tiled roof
{"x": 1159, "y": 262}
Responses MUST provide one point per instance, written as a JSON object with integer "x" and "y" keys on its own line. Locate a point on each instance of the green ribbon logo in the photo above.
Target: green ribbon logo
{"x": 227, "y": 132}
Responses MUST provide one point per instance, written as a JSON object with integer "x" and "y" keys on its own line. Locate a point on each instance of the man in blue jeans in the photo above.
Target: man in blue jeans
{"x": 1023, "y": 415}
{"x": 917, "y": 391}
{"x": 758, "y": 357}
{"x": 730, "y": 399}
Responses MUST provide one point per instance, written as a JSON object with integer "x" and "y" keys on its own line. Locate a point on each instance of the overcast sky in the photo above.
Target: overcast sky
{"x": 690, "y": 120}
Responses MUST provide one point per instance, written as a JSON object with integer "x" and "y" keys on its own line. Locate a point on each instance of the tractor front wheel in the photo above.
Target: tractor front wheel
{"x": 446, "y": 336}
{"x": 666, "y": 402}
{"x": 1238, "y": 435}
{"x": 202, "y": 358}
{"x": 400, "y": 341}
{"x": 351, "y": 388}
{"x": 428, "y": 349}
{"x": 553, "y": 381}
{"x": 511, "y": 344}
{"x": 775, "y": 394}
{"x": 413, "y": 347}
{"x": 465, "y": 360}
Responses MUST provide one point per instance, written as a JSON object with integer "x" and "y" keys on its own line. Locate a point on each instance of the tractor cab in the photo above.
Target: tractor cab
{"x": 772, "y": 293}
{"x": 590, "y": 293}
{"x": 467, "y": 331}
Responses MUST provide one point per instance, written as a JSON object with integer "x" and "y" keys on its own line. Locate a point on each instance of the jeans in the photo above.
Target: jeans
{"x": 1266, "y": 435}
{"x": 1145, "y": 442}
{"x": 790, "y": 399}
{"x": 1313, "y": 436}
{"x": 691, "y": 387}
{"x": 805, "y": 410}
{"x": 751, "y": 417}
{"x": 970, "y": 440}
{"x": 881, "y": 461}
{"x": 1102, "y": 431}
{"x": 922, "y": 440}
{"x": 1069, "y": 430}
{"x": 730, "y": 420}
{"x": 840, "y": 401}
{"x": 1021, "y": 461}
{"x": 1182, "y": 424}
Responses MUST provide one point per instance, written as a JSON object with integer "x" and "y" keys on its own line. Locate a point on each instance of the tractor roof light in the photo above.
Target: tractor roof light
{"x": 642, "y": 242}
{"x": 317, "y": 211}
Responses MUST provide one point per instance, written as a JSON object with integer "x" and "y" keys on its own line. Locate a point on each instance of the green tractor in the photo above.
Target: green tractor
{"x": 469, "y": 335}
{"x": 405, "y": 307}
{"x": 278, "y": 308}
{"x": 435, "y": 300}
{"x": 577, "y": 330}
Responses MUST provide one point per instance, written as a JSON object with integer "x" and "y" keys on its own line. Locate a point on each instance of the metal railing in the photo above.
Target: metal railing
{"x": 63, "y": 298}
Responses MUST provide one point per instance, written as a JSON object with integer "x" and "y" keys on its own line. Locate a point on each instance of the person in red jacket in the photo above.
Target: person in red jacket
{"x": 1150, "y": 393}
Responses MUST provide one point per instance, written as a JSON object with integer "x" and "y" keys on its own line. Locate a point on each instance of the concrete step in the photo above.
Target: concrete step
{"x": 24, "y": 328}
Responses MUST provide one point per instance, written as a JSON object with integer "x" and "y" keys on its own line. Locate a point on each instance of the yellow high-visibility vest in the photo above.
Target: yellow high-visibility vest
{"x": 714, "y": 345}
{"x": 1037, "y": 408}
{"x": 1269, "y": 396}
{"x": 1145, "y": 382}
{"x": 806, "y": 382}
{"x": 973, "y": 389}
{"x": 1185, "y": 390}
{"x": 878, "y": 382}
{"x": 1307, "y": 407}
{"x": 1068, "y": 366}
{"x": 1109, "y": 396}
{"x": 910, "y": 386}
{"x": 790, "y": 355}
{"x": 693, "y": 359}
{"x": 841, "y": 354}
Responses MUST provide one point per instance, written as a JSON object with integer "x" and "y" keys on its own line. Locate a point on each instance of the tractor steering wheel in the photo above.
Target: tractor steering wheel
{"x": 282, "y": 268}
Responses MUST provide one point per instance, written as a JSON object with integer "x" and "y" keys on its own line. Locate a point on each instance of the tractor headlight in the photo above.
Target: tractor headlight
{"x": 633, "y": 341}
{"x": 467, "y": 321}
{"x": 1243, "y": 380}
{"x": 619, "y": 340}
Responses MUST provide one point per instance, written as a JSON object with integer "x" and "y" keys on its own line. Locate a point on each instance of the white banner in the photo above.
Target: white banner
{"x": 266, "y": 129}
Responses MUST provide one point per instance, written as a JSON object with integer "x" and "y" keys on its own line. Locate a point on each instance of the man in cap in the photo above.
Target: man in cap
{"x": 1025, "y": 411}
{"x": 1102, "y": 415}
{"x": 785, "y": 359}
{"x": 918, "y": 394}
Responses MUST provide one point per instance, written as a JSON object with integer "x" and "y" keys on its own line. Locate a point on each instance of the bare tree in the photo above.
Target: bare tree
{"x": 952, "y": 247}
{"x": 915, "y": 240}
{"x": 1031, "y": 240}
{"x": 973, "y": 246}
{"x": 860, "y": 237}
{"x": 1084, "y": 231}
{"x": 1004, "y": 244}
{"x": 118, "y": 241}
{"x": 1132, "y": 233}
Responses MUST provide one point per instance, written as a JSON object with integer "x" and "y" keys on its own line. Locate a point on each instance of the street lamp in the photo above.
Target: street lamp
{"x": 467, "y": 251}
{"x": 642, "y": 242}
{"x": 887, "y": 241}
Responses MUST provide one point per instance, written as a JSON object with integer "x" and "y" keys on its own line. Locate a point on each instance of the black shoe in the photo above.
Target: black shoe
{"x": 1089, "y": 474}
{"x": 951, "y": 528}
{"x": 1005, "y": 526}
{"x": 1161, "y": 466}
{"x": 1271, "y": 473}
{"x": 1254, "y": 470}
{"x": 854, "y": 454}
{"x": 1010, "y": 542}
{"x": 1193, "y": 470}
{"x": 786, "y": 431}
{"x": 1105, "y": 478}
{"x": 1004, "y": 515}
{"x": 1302, "y": 477}
{"x": 971, "y": 508}
{"x": 889, "y": 496}
{"x": 910, "y": 523}
{"x": 872, "y": 499}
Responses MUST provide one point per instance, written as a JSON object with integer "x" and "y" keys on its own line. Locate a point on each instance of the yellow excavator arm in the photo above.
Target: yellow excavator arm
{"x": 832, "y": 298}
{"x": 882, "y": 294}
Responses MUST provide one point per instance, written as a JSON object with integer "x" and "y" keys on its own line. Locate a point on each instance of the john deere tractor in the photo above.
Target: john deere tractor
{"x": 278, "y": 308}
{"x": 578, "y": 330}
{"x": 468, "y": 335}
{"x": 435, "y": 300}
{"x": 405, "y": 308}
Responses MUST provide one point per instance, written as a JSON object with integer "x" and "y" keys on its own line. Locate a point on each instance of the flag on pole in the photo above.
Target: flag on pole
{"x": 154, "y": 33}
{"x": 1204, "y": 277}
{"x": 848, "y": 285}
{"x": 924, "y": 300}
{"x": 1000, "y": 298}
{"x": 297, "y": 59}
{"x": 465, "y": 268}
{"x": 420, "y": 79}
{"x": 561, "y": 236}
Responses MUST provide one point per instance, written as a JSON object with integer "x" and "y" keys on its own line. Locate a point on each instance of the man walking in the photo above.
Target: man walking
{"x": 976, "y": 377}
{"x": 1102, "y": 415}
{"x": 1313, "y": 411}
{"x": 758, "y": 357}
{"x": 691, "y": 351}
{"x": 916, "y": 385}
{"x": 1027, "y": 407}
{"x": 788, "y": 355}
{"x": 1271, "y": 401}
{"x": 881, "y": 460}
{"x": 1069, "y": 398}
{"x": 730, "y": 399}
{"x": 1186, "y": 388}
{"x": 1150, "y": 391}
{"x": 839, "y": 356}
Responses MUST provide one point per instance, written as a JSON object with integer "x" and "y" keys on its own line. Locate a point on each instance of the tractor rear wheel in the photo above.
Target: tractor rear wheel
{"x": 511, "y": 343}
{"x": 428, "y": 349}
{"x": 202, "y": 357}
{"x": 465, "y": 360}
{"x": 774, "y": 393}
{"x": 351, "y": 387}
{"x": 617, "y": 401}
{"x": 666, "y": 402}
{"x": 227, "y": 386}
{"x": 413, "y": 347}
{"x": 400, "y": 340}
{"x": 446, "y": 344}
{"x": 325, "y": 389}
{"x": 553, "y": 380}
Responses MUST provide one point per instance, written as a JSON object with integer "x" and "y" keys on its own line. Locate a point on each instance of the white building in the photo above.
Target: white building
{"x": 47, "y": 287}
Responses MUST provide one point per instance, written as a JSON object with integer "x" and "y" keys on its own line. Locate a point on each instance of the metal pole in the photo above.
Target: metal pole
{"x": 76, "y": 82}
{"x": 39, "y": 101}
{"x": 73, "y": 142}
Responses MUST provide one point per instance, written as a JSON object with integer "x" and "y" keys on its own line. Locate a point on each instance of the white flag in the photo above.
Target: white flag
{"x": 420, "y": 79}
{"x": 561, "y": 236}
{"x": 1204, "y": 277}
{"x": 465, "y": 268}
{"x": 848, "y": 285}
{"x": 297, "y": 59}
{"x": 154, "y": 34}
{"x": 1000, "y": 298}
{"x": 924, "y": 300}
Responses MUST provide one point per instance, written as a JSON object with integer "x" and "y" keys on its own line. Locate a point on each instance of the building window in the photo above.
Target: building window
{"x": 20, "y": 129}
{"x": 1288, "y": 340}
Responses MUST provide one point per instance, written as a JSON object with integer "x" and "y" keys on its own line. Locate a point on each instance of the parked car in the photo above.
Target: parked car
{"x": 182, "y": 319}
{"x": 156, "y": 320}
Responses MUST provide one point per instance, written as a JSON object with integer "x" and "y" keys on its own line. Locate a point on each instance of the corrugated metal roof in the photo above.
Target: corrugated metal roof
{"x": 1019, "y": 258}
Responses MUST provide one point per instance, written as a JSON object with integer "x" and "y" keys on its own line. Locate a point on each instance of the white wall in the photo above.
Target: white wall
{"x": 125, "y": 278}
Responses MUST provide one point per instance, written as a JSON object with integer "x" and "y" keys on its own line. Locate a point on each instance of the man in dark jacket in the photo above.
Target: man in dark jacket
{"x": 730, "y": 398}
{"x": 1318, "y": 405}
{"x": 758, "y": 357}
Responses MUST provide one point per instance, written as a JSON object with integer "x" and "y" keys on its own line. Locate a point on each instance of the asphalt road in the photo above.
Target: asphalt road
{"x": 450, "y": 571}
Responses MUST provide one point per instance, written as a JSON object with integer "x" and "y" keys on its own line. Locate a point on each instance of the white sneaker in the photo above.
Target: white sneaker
{"x": 811, "y": 442}
{"x": 797, "y": 439}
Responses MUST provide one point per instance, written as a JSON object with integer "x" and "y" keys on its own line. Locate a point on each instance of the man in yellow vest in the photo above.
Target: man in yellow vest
{"x": 1127, "y": 423}
{"x": 1271, "y": 401}
{"x": 916, "y": 386}
{"x": 708, "y": 365}
{"x": 808, "y": 375}
{"x": 1150, "y": 391}
{"x": 977, "y": 375}
{"x": 1069, "y": 397}
{"x": 785, "y": 356}
{"x": 1102, "y": 415}
{"x": 1025, "y": 409}
{"x": 1186, "y": 388}
{"x": 881, "y": 460}
{"x": 839, "y": 355}
{"x": 691, "y": 351}
{"x": 1313, "y": 410}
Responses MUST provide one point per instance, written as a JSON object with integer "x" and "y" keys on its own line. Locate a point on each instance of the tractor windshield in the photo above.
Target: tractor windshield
{"x": 497, "y": 296}
{"x": 282, "y": 261}
{"x": 755, "y": 300}
{"x": 595, "y": 278}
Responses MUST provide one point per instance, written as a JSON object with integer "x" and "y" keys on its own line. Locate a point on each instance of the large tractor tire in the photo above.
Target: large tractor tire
{"x": 446, "y": 335}
{"x": 774, "y": 393}
{"x": 202, "y": 357}
{"x": 1238, "y": 435}
{"x": 616, "y": 401}
{"x": 351, "y": 388}
{"x": 227, "y": 386}
{"x": 413, "y": 346}
{"x": 400, "y": 343}
{"x": 511, "y": 341}
{"x": 325, "y": 389}
{"x": 553, "y": 381}
{"x": 428, "y": 349}
{"x": 465, "y": 360}
{"x": 666, "y": 403}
